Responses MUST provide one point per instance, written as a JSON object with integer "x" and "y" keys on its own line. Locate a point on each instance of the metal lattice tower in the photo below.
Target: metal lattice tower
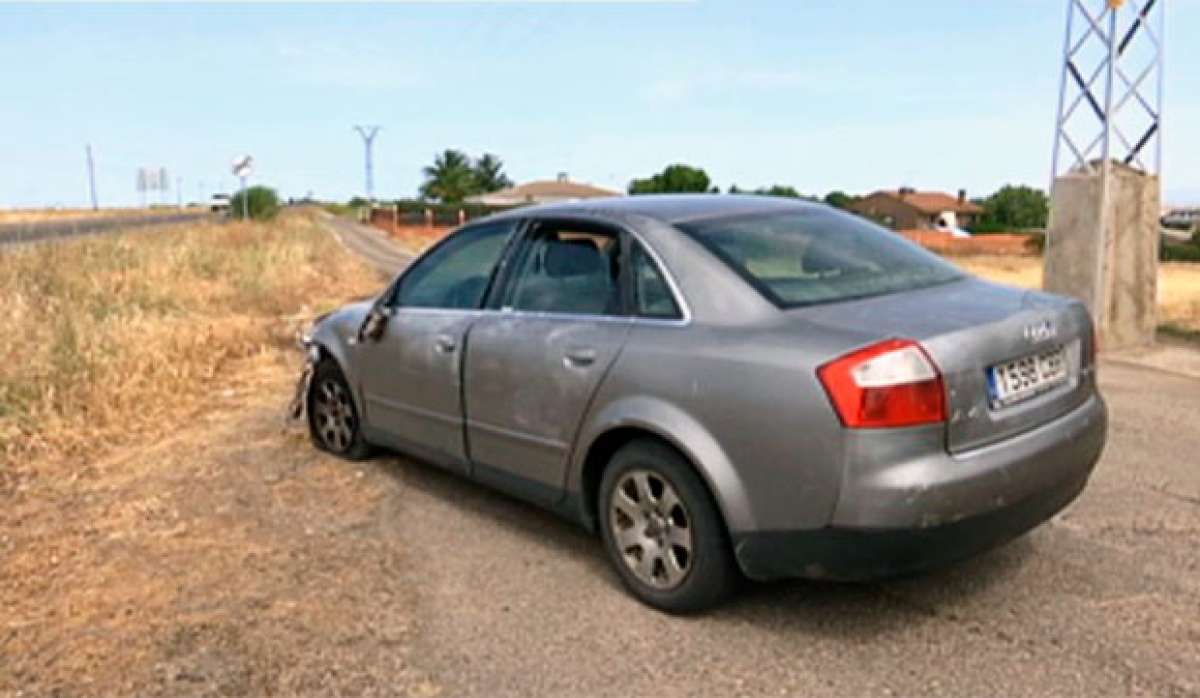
{"x": 368, "y": 135}
{"x": 1111, "y": 91}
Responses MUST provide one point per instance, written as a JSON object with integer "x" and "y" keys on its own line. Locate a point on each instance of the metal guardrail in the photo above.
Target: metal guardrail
{"x": 38, "y": 231}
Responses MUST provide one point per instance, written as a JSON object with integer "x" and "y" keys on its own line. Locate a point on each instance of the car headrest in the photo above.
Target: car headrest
{"x": 817, "y": 260}
{"x": 573, "y": 258}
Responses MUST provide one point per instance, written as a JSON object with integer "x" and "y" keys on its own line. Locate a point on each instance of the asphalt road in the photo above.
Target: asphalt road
{"x": 19, "y": 233}
{"x": 369, "y": 243}
{"x": 1103, "y": 600}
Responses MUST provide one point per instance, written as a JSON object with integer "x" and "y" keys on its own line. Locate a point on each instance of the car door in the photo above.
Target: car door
{"x": 532, "y": 368}
{"x": 411, "y": 371}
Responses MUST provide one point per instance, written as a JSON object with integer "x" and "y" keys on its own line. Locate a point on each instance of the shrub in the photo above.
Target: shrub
{"x": 261, "y": 203}
{"x": 1176, "y": 252}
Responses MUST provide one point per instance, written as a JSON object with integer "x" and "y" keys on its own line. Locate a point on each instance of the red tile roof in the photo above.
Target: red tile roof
{"x": 563, "y": 188}
{"x": 933, "y": 202}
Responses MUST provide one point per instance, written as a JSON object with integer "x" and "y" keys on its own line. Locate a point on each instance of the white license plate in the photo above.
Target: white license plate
{"x": 1014, "y": 381}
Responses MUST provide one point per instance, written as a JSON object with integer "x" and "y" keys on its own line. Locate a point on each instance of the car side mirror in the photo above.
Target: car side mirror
{"x": 374, "y": 324}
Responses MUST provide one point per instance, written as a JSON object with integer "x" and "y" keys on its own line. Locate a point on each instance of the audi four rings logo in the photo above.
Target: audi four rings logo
{"x": 1040, "y": 331}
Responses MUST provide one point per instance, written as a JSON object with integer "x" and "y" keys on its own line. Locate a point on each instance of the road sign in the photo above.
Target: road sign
{"x": 243, "y": 165}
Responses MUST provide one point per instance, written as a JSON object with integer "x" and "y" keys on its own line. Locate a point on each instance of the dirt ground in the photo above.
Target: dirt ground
{"x": 225, "y": 557}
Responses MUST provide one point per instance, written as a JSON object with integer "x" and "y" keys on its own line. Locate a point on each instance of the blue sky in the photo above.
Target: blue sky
{"x": 818, "y": 95}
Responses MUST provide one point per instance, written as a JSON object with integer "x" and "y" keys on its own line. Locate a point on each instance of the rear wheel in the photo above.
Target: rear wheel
{"x": 333, "y": 421}
{"x": 662, "y": 530}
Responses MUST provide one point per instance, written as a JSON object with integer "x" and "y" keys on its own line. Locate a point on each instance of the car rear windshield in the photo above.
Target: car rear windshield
{"x": 818, "y": 255}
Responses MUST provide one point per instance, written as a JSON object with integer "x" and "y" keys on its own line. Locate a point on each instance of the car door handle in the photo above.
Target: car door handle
{"x": 445, "y": 344}
{"x": 579, "y": 358}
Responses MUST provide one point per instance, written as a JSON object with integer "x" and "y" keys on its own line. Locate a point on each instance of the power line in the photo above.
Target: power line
{"x": 368, "y": 134}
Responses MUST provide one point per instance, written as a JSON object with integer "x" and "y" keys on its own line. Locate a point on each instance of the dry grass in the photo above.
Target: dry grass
{"x": 1178, "y": 284}
{"x": 37, "y": 215}
{"x": 106, "y": 338}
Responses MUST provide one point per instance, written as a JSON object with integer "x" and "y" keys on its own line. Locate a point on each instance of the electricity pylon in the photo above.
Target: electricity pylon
{"x": 1111, "y": 90}
{"x": 368, "y": 135}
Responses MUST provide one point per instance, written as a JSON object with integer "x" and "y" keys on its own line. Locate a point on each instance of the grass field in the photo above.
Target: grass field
{"x": 38, "y": 215}
{"x": 1178, "y": 285}
{"x": 106, "y": 338}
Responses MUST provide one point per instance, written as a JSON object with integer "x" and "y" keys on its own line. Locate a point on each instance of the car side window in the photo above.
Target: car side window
{"x": 569, "y": 270}
{"x": 456, "y": 274}
{"x": 652, "y": 295}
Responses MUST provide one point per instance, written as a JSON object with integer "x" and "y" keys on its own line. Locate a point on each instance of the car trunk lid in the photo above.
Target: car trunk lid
{"x": 969, "y": 326}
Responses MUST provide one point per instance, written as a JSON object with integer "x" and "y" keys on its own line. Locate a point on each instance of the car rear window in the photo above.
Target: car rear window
{"x": 819, "y": 255}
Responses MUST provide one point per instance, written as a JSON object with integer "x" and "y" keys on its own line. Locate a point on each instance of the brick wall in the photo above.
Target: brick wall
{"x": 945, "y": 243}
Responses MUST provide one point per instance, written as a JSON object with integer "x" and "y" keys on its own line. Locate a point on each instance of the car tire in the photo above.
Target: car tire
{"x": 333, "y": 422}
{"x": 663, "y": 531}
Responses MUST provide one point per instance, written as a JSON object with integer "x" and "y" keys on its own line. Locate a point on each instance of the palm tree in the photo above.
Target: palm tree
{"x": 489, "y": 174}
{"x": 450, "y": 178}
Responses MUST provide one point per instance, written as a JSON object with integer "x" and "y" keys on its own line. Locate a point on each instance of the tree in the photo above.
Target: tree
{"x": 779, "y": 190}
{"x": 674, "y": 179}
{"x": 450, "y": 178}
{"x": 840, "y": 199}
{"x": 258, "y": 202}
{"x": 1015, "y": 208}
{"x": 489, "y": 174}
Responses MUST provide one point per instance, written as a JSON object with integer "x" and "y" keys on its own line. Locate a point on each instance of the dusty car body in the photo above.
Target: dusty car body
{"x": 842, "y": 416}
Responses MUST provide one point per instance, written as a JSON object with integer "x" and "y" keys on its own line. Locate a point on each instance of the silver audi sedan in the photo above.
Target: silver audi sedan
{"x": 722, "y": 387}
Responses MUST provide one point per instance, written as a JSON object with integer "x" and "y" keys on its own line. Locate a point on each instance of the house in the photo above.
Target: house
{"x": 542, "y": 192}
{"x": 908, "y": 209}
{"x": 1181, "y": 217}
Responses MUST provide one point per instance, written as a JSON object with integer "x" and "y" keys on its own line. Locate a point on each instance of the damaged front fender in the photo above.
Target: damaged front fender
{"x": 312, "y": 355}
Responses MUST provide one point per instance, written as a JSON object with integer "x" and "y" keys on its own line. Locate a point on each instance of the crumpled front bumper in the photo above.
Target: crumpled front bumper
{"x": 312, "y": 354}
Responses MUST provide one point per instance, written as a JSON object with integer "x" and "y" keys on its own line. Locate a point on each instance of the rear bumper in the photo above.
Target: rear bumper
{"x": 914, "y": 513}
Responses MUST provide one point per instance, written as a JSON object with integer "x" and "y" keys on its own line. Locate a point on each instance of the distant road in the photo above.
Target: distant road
{"x": 17, "y": 233}
{"x": 369, "y": 243}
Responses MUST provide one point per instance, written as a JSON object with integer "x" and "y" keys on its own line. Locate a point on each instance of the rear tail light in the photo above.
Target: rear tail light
{"x": 890, "y": 384}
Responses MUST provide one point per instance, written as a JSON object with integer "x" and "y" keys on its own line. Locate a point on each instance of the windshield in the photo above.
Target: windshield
{"x": 819, "y": 255}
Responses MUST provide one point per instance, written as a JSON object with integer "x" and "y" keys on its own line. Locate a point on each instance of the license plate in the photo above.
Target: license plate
{"x": 1015, "y": 381}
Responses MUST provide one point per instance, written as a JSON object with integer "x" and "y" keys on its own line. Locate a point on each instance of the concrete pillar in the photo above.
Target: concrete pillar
{"x": 1104, "y": 250}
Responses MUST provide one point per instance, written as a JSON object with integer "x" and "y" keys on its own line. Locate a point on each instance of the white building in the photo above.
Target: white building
{"x": 543, "y": 192}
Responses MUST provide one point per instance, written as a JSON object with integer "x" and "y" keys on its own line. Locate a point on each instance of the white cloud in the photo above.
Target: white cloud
{"x": 722, "y": 81}
{"x": 349, "y": 65}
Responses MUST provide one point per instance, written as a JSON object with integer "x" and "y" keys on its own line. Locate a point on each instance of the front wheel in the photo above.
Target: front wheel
{"x": 333, "y": 421}
{"x": 662, "y": 530}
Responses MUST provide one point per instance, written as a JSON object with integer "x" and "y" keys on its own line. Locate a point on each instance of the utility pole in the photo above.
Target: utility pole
{"x": 1112, "y": 50}
{"x": 91, "y": 168}
{"x": 368, "y": 135}
{"x": 1102, "y": 241}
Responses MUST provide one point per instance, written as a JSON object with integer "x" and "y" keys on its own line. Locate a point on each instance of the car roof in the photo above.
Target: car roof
{"x": 668, "y": 208}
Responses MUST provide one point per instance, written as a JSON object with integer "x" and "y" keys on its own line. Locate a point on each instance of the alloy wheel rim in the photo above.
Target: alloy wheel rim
{"x": 334, "y": 416}
{"x": 652, "y": 529}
